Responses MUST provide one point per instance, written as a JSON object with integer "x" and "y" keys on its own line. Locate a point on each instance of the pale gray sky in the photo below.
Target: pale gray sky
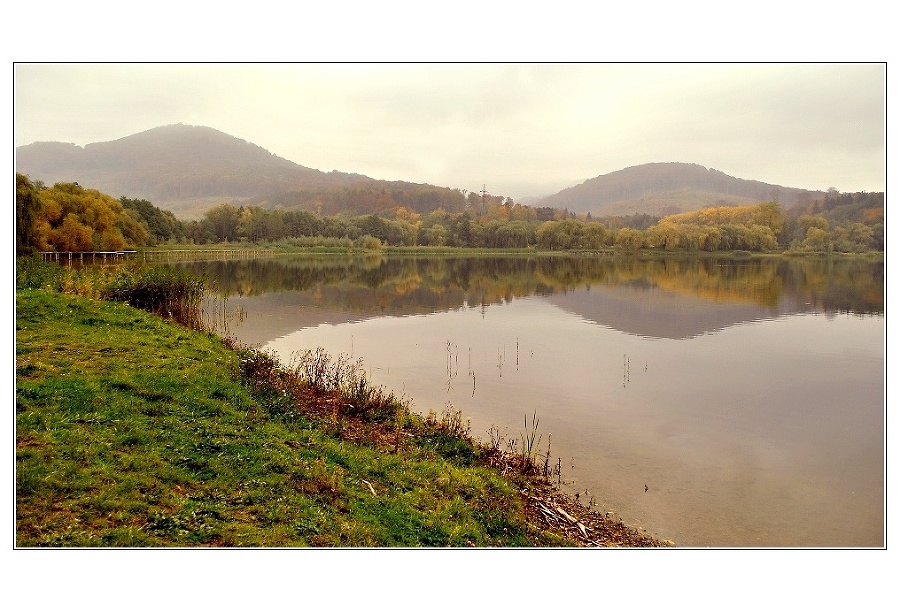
{"x": 521, "y": 129}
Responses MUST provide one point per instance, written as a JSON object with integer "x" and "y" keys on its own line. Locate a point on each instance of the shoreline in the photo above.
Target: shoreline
{"x": 98, "y": 395}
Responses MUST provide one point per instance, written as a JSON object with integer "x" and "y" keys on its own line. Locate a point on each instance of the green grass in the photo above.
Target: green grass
{"x": 134, "y": 431}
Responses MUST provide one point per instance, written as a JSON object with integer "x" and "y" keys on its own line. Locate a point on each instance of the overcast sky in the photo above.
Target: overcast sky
{"x": 520, "y": 129}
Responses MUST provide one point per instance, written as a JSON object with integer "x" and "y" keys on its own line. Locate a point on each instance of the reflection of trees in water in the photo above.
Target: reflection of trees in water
{"x": 836, "y": 285}
{"x": 404, "y": 282}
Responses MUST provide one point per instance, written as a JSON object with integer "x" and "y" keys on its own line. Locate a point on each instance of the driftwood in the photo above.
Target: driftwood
{"x": 593, "y": 529}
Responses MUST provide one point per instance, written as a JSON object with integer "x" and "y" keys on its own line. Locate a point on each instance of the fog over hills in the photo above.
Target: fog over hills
{"x": 188, "y": 169}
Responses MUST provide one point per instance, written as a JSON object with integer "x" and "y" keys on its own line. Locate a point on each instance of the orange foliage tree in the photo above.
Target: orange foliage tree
{"x": 73, "y": 218}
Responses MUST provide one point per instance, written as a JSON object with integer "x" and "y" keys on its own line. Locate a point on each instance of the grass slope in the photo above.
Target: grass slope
{"x": 133, "y": 431}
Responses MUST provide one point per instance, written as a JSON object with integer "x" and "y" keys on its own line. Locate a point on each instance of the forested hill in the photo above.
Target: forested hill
{"x": 189, "y": 170}
{"x": 176, "y": 167}
{"x": 666, "y": 188}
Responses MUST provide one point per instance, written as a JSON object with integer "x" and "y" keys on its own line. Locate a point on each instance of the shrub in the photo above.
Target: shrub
{"x": 159, "y": 289}
{"x": 323, "y": 375}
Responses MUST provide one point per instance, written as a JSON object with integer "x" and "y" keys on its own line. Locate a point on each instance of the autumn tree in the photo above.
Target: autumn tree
{"x": 666, "y": 235}
{"x": 852, "y": 238}
{"x": 629, "y": 239}
{"x": 73, "y": 218}
{"x": 562, "y": 234}
{"x": 755, "y": 228}
{"x": 250, "y": 224}
{"x": 593, "y": 235}
{"x": 816, "y": 239}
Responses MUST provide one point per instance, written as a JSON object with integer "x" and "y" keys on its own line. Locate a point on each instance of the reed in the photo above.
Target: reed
{"x": 530, "y": 443}
{"x": 496, "y": 439}
{"x": 162, "y": 290}
{"x": 450, "y": 422}
{"x": 547, "y": 471}
{"x": 324, "y": 375}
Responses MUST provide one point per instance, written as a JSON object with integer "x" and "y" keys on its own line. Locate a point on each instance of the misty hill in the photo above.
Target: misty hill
{"x": 666, "y": 188}
{"x": 189, "y": 169}
{"x": 177, "y": 167}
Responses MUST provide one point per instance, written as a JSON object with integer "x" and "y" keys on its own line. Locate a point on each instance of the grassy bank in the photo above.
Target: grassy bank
{"x": 132, "y": 430}
{"x": 336, "y": 247}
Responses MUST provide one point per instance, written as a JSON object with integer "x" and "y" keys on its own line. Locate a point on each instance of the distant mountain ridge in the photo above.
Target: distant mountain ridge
{"x": 664, "y": 188}
{"x": 175, "y": 165}
{"x": 189, "y": 169}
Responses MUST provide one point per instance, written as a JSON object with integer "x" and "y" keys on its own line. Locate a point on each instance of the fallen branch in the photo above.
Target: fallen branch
{"x": 566, "y": 515}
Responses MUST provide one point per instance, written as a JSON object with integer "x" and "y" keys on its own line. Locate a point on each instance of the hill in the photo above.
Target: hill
{"x": 667, "y": 188}
{"x": 189, "y": 169}
{"x": 181, "y": 168}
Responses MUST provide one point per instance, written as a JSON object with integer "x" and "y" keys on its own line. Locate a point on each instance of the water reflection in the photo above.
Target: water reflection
{"x": 667, "y": 298}
{"x": 710, "y": 401}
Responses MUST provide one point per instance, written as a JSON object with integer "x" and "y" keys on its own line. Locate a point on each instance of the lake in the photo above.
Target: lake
{"x": 709, "y": 401}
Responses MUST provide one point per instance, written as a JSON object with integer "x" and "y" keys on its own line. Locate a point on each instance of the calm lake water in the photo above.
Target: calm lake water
{"x": 712, "y": 402}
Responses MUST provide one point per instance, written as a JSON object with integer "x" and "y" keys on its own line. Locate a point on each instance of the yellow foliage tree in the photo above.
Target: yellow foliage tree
{"x": 72, "y": 235}
{"x": 755, "y": 227}
{"x": 73, "y": 218}
{"x": 769, "y": 214}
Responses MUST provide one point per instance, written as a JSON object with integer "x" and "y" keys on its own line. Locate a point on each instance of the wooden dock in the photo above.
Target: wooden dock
{"x": 86, "y": 256}
{"x": 148, "y": 256}
{"x": 163, "y": 255}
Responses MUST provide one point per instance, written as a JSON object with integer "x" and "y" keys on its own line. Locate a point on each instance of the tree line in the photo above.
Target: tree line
{"x": 507, "y": 225}
{"x": 69, "y": 217}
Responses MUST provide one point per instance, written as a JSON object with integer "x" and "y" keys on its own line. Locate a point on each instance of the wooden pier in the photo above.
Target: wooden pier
{"x": 155, "y": 256}
{"x": 164, "y": 255}
{"x": 86, "y": 256}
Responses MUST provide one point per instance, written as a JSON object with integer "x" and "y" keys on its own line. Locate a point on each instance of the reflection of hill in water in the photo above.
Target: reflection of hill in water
{"x": 656, "y": 298}
{"x": 273, "y": 315}
{"x": 656, "y": 313}
{"x": 649, "y": 312}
